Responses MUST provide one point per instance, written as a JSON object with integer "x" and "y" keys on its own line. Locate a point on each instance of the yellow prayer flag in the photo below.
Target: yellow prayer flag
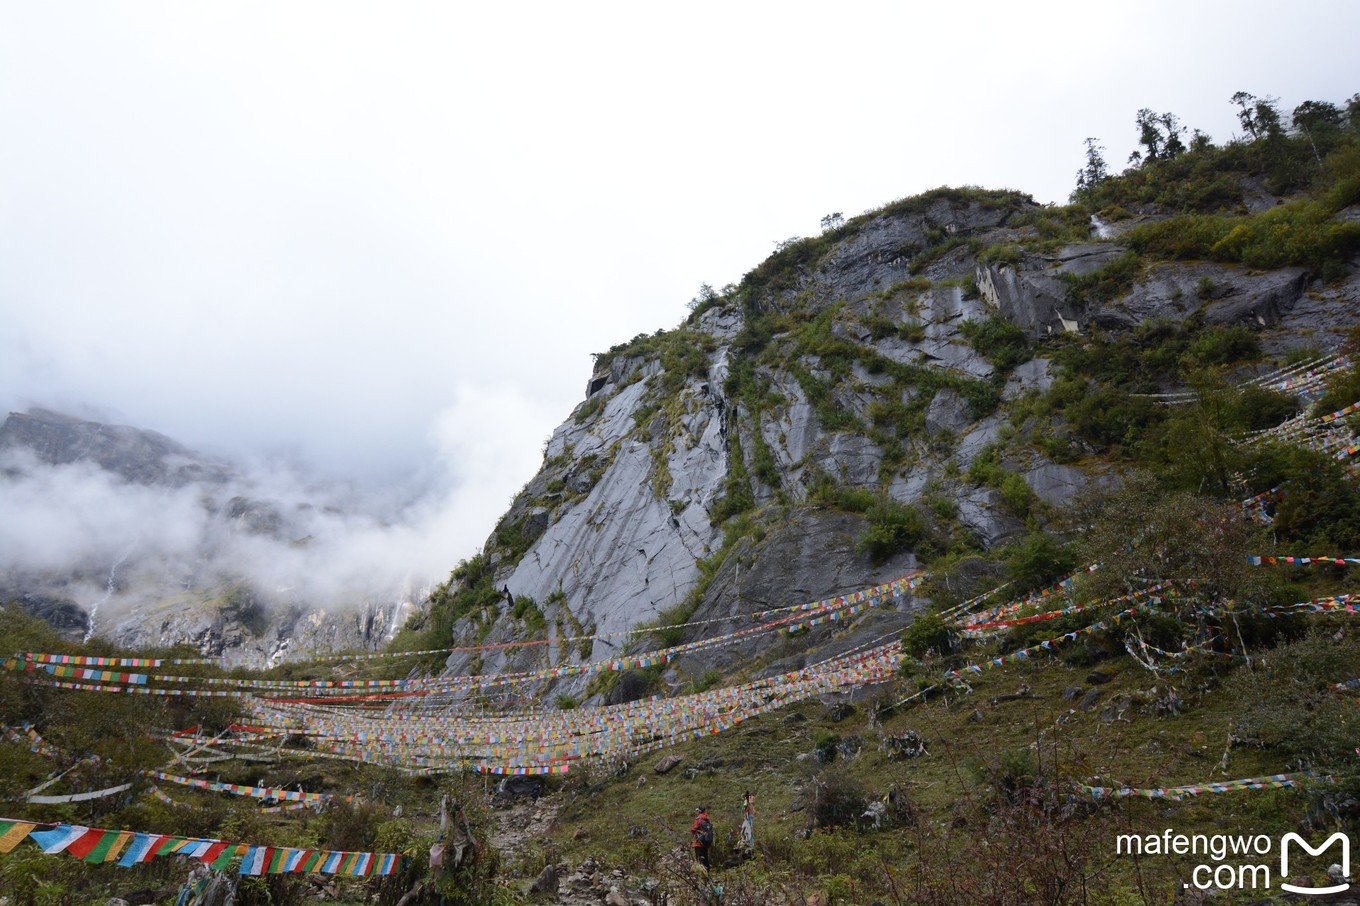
{"x": 16, "y": 832}
{"x": 116, "y": 850}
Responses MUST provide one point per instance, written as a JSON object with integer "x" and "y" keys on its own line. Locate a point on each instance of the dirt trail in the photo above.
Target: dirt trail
{"x": 524, "y": 822}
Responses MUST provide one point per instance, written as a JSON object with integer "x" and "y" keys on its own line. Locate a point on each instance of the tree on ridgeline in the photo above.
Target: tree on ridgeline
{"x": 1160, "y": 136}
{"x": 1320, "y": 122}
{"x": 1094, "y": 173}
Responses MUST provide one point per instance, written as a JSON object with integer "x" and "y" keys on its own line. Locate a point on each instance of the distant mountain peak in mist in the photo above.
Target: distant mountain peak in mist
{"x": 123, "y": 532}
{"x": 134, "y": 454}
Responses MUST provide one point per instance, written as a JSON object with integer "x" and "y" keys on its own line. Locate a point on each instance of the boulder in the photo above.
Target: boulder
{"x": 254, "y": 517}
{"x": 516, "y": 787}
{"x": 948, "y": 411}
{"x": 1036, "y": 374}
{"x": 1059, "y": 485}
{"x": 840, "y": 711}
{"x": 852, "y": 458}
{"x": 1317, "y": 319}
{"x": 1034, "y": 300}
{"x": 668, "y": 763}
{"x": 630, "y": 686}
{"x": 1221, "y": 294}
{"x": 546, "y": 882}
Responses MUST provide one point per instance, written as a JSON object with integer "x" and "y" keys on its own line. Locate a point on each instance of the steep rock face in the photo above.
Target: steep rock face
{"x": 1034, "y": 294}
{"x": 882, "y": 253}
{"x": 241, "y": 628}
{"x": 810, "y": 556}
{"x": 861, "y": 403}
{"x": 69, "y": 619}
{"x": 857, "y": 374}
{"x": 1223, "y": 295}
{"x": 1317, "y": 319}
{"x": 622, "y": 508}
{"x": 631, "y": 543}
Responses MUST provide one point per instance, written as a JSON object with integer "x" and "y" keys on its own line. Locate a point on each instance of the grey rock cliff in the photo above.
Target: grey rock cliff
{"x": 623, "y": 525}
{"x": 1035, "y": 293}
{"x": 844, "y": 370}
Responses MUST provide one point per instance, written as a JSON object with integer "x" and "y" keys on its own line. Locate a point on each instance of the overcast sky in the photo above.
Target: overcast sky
{"x": 386, "y": 237}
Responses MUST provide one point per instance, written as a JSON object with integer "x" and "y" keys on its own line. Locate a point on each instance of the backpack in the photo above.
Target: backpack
{"x": 705, "y": 832}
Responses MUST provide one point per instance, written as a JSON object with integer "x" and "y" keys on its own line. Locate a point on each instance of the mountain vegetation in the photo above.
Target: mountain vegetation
{"x": 1110, "y": 442}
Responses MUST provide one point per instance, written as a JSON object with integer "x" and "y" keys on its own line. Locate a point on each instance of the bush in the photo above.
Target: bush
{"x": 526, "y": 609}
{"x": 737, "y": 495}
{"x": 1107, "y": 283}
{"x": 1010, "y": 773}
{"x": 1037, "y": 560}
{"x": 837, "y": 799}
{"x": 1342, "y": 390}
{"x": 1291, "y": 706}
{"x": 1115, "y": 420}
{"x": 1319, "y": 506}
{"x": 1301, "y": 233}
{"x": 1224, "y": 345}
{"x": 987, "y": 470}
{"x": 824, "y": 490}
{"x": 1003, "y": 253}
{"x": 999, "y": 341}
{"x": 928, "y": 632}
{"x": 1259, "y": 408}
{"x": 893, "y": 527}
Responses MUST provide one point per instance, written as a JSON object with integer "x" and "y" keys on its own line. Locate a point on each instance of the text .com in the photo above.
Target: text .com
{"x": 1242, "y": 861}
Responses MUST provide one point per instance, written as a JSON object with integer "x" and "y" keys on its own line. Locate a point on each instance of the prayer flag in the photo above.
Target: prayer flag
{"x": 214, "y": 849}
{"x": 57, "y": 839}
{"x": 11, "y": 832}
{"x": 141, "y": 845}
{"x": 86, "y": 843}
{"x": 223, "y": 860}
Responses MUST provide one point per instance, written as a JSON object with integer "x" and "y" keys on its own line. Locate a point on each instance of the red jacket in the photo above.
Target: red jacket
{"x": 694, "y": 828}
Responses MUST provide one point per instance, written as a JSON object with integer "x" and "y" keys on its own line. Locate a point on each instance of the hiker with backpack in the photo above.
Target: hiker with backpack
{"x": 702, "y": 832}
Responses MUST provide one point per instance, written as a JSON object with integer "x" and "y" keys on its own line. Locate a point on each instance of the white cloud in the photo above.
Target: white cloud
{"x": 62, "y": 517}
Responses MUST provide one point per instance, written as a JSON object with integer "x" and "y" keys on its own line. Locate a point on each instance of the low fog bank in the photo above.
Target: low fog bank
{"x": 78, "y": 532}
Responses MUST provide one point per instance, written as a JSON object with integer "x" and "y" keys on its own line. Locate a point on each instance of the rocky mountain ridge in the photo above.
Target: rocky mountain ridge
{"x": 740, "y": 461}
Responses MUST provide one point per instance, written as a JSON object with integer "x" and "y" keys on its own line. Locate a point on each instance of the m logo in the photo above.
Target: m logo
{"x": 1315, "y": 891}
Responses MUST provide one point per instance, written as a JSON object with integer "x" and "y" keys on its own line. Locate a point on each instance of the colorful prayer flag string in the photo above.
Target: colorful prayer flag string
{"x": 129, "y": 848}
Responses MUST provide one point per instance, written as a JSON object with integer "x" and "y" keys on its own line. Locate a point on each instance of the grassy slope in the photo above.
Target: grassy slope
{"x": 773, "y": 757}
